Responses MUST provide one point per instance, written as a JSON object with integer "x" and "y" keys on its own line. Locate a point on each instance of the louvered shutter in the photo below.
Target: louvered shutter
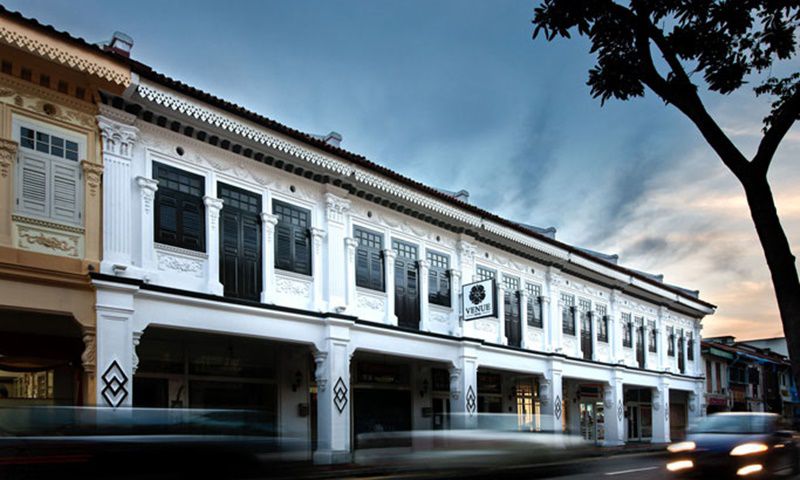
{"x": 33, "y": 186}
{"x": 250, "y": 258}
{"x": 193, "y": 229}
{"x": 229, "y": 245}
{"x": 166, "y": 218}
{"x": 376, "y": 270}
{"x": 283, "y": 246}
{"x": 362, "y": 268}
{"x": 65, "y": 188}
{"x": 302, "y": 251}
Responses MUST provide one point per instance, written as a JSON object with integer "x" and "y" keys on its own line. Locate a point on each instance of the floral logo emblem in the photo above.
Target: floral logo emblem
{"x": 477, "y": 294}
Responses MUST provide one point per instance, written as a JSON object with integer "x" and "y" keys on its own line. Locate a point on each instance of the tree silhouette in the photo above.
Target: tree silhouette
{"x": 674, "y": 48}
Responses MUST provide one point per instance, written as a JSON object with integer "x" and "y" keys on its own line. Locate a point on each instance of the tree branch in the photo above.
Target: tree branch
{"x": 781, "y": 124}
{"x": 684, "y": 98}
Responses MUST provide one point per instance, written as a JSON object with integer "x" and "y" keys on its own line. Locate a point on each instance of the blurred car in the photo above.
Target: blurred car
{"x": 475, "y": 444}
{"x": 736, "y": 445}
{"x": 96, "y": 442}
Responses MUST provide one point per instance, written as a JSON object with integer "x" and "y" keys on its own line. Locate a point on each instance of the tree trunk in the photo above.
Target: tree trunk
{"x": 781, "y": 263}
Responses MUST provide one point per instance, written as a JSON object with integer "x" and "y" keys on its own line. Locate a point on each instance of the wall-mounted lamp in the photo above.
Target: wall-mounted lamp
{"x": 298, "y": 379}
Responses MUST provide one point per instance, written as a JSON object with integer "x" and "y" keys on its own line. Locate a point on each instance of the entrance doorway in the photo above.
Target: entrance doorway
{"x": 639, "y": 414}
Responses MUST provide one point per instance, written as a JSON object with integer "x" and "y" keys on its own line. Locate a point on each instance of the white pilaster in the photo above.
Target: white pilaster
{"x": 268, "y": 222}
{"x": 116, "y": 340}
{"x": 389, "y": 256}
{"x": 550, "y": 398}
{"x": 350, "y": 245}
{"x": 578, "y": 331}
{"x": 523, "y": 314}
{"x": 334, "y": 394}
{"x": 501, "y": 313}
{"x": 660, "y": 344}
{"x": 661, "y": 412}
{"x": 464, "y": 389}
{"x": 614, "y": 411}
{"x": 553, "y": 319}
{"x": 466, "y": 256}
{"x": 614, "y": 332}
{"x": 646, "y": 346}
{"x": 118, "y": 140}
{"x": 213, "y": 206}
{"x": 317, "y": 239}
{"x": 455, "y": 300}
{"x": 336, "y": 291}
{"x": 147, "y": 191}
{"x": 424, "y": 310}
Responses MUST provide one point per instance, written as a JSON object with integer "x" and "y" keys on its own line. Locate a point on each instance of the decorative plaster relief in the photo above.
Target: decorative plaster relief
{"x": 29, "y": 97}
{"x": 371, "y": 302}
{"x": 93, "y": 173}
{"x": 293, "y": 287}
{"x": 485, "y": 326}
{"x": 48, "y": 240}
{"x": 8, "y": 153}
{"x": 179, "y": 260}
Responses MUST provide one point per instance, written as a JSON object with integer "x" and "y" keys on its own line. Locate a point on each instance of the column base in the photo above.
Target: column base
{"x": 332, "y": 457}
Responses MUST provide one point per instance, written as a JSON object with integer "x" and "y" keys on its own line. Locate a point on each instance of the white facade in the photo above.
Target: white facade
{"x": 324, "y": 316}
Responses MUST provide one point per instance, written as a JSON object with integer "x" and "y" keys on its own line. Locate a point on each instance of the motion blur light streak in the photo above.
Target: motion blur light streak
{"x": 748, "y": 449}
{"x": 680, "y": 465}
{"x": 681, "y": 447}
{"x": 748, "y": 469}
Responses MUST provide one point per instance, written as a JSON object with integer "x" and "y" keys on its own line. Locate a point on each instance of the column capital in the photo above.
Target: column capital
{"x": 317, "y": 233}
{"x": 213, "y": 203}
{"x": 350, "y": 242}
{"x": 615, "y": 296}
{"x": 455, "y": 273}
{"x": 92, "y": 173}
{"x": 269, "y": 219}
{"x": 147, "y": 184}
{"x": 423, "y": 264}
{"x": 8, "y": 153}
{"x": 523, "y": 294}
{"x": 336, "y": 207}
{"x": 118, "y": 138}
{"x": 390, "y": 254}
{"x": 467, "y": 250}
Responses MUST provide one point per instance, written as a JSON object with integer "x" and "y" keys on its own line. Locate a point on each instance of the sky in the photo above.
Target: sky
{"x": 456, "y": 94}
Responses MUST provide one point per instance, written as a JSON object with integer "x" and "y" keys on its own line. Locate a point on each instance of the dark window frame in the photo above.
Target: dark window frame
{"x": 569, "y": 315}
{"x": 370, "y": 256}
{"x": 535, "y": 306}
{"x": 627, "y": 331}
{"x": 294, "y": 225}
{"x": 652, "y": 336}
{"x": 177, "y": 186}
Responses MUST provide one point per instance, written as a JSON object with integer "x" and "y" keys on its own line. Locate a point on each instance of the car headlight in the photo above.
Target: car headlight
{"x": 748, "y": 449}
{"x": 682, "y": 447}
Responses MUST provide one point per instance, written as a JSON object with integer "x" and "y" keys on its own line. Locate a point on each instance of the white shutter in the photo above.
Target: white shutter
{"x": 34, "y": 183}
{"x": 65, "y": 188}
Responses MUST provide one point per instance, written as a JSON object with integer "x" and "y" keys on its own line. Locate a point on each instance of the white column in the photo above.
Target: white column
{"x": 523, "y": 314}
{"x": 389, "y": 256}
{"x": 350, "y": 245}
{"x": 698, "y": 361}
{"x": 318, "y": 275}
{"x": 614, "y": 332}
{"x": 213, "y": 206}
{"x": 466, "y": 254}
{"x": 268, "y": 222}
{"x": 646, "y": 346}
{"x": 455, "y": 300}
{"x": 336, "y": 274}
{"x": 594, "y": 335}
{"x": 116, "y": 340}
{"x": 553, "y": 325}
{"x": 661, "y": 412}
{"x": 147, "y": 190}
{"x": 424, "y": 310}
{"x": 660, "y": 344}
{"x": 118, "y": 233}
{"x": 550, "y": 398}
{"x": 464, "y": 389}
{"x": 547, "y": 324}
{"x": 334, "y": 394}
{"x": 501, "y": 313}
{"x": 634, "y": 339}
{"x": 614, "y": 412}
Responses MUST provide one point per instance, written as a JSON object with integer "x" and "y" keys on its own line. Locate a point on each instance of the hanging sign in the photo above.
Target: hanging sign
{"x": 479, "y": 300}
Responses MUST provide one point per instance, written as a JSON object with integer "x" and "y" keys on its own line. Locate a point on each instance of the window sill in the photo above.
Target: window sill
{"x": 295, "y": 275}
{"x": 182, "y": 251}
{"x": 369, "y": 291}
{"x": 42, "y": 222}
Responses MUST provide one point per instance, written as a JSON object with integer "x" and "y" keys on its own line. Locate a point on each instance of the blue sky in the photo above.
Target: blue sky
{"x": 457, "y": 95}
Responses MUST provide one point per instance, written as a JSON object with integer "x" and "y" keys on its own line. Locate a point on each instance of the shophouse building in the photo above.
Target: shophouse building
{"x": 50, "y": 211}
{"x": 246, "y": 264}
